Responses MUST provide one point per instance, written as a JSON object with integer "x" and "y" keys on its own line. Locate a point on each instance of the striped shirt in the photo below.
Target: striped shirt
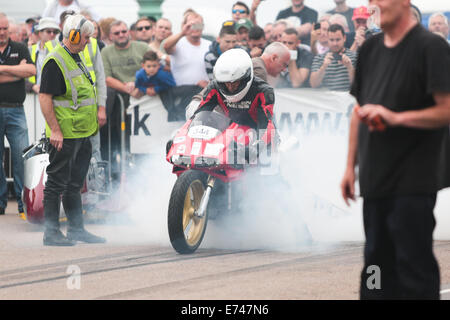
{"x": 336, "y": 75}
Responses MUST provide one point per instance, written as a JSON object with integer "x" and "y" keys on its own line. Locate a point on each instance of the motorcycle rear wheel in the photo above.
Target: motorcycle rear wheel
{"x": 186, "y": 230}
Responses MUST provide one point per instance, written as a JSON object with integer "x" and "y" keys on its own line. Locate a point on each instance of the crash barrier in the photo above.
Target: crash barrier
{"x": 297, "y": 112}
{"x": 36, "y": 129}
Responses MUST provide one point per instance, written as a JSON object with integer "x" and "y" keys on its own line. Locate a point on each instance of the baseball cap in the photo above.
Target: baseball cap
{"x": 361, "y": 13}
{"x": 246, "y": 23}
{"x": 228, "y": 23}
{"x": 47, "y": 23}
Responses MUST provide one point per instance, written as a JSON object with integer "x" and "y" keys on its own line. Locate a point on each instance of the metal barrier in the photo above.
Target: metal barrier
{"x": 36, "y": 127}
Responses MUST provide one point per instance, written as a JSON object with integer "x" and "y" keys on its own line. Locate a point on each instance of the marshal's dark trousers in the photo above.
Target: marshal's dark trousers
{"x": 65, "y": 177}
{"x": 399, "y": 241}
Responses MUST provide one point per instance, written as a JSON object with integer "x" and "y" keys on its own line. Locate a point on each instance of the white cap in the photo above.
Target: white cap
{"x": 47, "y": 23}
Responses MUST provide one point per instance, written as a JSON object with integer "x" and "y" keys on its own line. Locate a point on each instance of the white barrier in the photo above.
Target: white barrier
{"x": 35, "y": 119}
{"x": 149, "y": 127}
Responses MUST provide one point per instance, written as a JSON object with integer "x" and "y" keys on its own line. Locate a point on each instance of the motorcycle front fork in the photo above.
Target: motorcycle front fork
{"x": 205, "y": 198}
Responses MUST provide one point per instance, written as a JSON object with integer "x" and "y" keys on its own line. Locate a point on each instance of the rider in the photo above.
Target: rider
{"x": 245, "y": 99}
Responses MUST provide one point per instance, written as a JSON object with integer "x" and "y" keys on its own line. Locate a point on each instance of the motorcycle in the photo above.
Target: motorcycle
{"x": 36, "y": 160}
{"x": 210, "y": 154}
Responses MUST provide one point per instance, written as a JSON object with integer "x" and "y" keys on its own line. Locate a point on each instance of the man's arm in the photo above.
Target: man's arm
{"x": 253, "y": 10}
{"x": 56, "y": 137}
{"x": 101, "y": 87}
{"x": 304, "y": 30}
{"x": 347, "y": 62}
{"x": 297, "y": 75}
{"x": 348, "y": 181}
{"x": 266, "y": 127}
{"x": 6, "y": 78}
{"x": 171, "y": 42}
{"x": 119, "y": 85}
{"x": 209, "y": 99}
{"x": 100, "y": 78}
{"x": 434, "y": 117}
{"x": 22, "y": 70}
{"x": 317, "y": 76}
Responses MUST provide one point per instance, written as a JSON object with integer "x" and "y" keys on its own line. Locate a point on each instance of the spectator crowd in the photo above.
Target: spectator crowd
{"x": 149, "y": 58}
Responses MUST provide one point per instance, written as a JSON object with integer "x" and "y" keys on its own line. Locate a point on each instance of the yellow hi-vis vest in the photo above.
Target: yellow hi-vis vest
{"x": 89, "y": 53}
{"x": 33, "y": 55}
{"x": 76, "y": 110}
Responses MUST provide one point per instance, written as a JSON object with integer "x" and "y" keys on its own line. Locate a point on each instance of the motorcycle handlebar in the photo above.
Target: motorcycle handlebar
{"x": 41, "y": 143}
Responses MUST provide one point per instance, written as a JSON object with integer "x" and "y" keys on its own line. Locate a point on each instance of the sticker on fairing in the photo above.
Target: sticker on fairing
{"x": 213, "y": 149}
{"x": 196, "y": 148}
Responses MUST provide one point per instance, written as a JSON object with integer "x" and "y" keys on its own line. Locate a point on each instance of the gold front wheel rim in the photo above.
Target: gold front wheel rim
{"x": 193, "y": 226}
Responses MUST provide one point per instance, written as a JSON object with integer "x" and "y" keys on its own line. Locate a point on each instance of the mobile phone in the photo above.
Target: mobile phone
{"x": 337, "y": 56}
{"x": 197, "y": 26}
{"x": 317, "y": 26}
{"x": 293, "y": 54}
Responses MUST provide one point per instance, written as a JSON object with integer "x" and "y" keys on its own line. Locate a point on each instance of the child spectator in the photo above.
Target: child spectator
{"x": 152, "y": 79}
{"x": 227, "y": 40}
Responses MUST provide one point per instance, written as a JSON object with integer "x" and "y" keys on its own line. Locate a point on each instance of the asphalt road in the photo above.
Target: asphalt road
{"x": 126, "y": 269}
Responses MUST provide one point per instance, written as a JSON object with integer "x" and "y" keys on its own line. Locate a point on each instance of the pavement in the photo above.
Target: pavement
{"x": 137, "y": 264}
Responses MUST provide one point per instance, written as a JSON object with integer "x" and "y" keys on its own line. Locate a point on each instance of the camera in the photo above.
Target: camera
{"x": 317, "y": 26}
{"x": 337, "y": 56}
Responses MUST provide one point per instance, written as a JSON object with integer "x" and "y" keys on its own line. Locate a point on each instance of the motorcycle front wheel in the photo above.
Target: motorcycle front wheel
{"x": 186, "y": 230}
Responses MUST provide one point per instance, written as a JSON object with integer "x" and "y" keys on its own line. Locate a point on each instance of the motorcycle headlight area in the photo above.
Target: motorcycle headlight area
{"x": 199, "y": 161}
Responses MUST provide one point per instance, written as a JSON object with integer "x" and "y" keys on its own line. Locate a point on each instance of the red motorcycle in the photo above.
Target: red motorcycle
{"x": 209, "y": 154}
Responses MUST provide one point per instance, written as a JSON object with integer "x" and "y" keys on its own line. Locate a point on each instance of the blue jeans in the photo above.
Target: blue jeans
{"x": 14, "y": 125}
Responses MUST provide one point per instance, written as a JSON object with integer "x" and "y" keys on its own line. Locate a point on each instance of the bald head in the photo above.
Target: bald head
{"x": 276, "y": 58}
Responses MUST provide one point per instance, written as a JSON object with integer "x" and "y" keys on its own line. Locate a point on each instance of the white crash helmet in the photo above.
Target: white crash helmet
{"x": 233, "y": 65}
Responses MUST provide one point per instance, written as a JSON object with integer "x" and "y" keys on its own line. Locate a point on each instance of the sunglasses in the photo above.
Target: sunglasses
{"x": 142, "y": 28}
{"x": 52, "y": 31}
{"x": 239, "y": 10}
{"x": 118, "y": 32}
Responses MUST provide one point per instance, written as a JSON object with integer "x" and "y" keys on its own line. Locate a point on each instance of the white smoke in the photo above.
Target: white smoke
{"x": 139, "y": 214}
{"x": 314, "y": 206}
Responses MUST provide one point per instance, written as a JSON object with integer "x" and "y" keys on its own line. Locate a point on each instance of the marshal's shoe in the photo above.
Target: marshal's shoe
{"x": 84, "y": 236}
{"x": 57, "y": 238}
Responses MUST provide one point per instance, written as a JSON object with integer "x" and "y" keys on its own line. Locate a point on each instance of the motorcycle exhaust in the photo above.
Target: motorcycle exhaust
{"x": 205, "y": 198}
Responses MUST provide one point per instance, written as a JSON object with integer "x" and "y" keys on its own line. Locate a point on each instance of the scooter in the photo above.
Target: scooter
{"x": 36, "y": 160}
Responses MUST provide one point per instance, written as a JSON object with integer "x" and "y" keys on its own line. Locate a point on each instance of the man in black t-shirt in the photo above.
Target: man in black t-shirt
{"x": 400, "y": 139}
{"x": 15, "y": 66}
{"x": 297, "y": 73}
{"x": 302, "y": 17}
{"x": 346, "y": 11}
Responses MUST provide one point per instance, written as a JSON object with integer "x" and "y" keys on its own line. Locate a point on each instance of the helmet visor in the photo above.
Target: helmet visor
{"x": 242, "y": 84}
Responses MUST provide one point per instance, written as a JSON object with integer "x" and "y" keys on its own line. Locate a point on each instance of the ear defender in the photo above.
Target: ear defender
{"x": 75, "y": 34}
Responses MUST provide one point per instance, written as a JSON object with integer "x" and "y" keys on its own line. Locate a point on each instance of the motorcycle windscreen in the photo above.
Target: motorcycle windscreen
{"x": 208, "y": 125}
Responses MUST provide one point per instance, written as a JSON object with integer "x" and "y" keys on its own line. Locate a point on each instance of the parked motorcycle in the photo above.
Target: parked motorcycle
{"x": 209, "y": 154}
{"x": 36, "y": 160}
